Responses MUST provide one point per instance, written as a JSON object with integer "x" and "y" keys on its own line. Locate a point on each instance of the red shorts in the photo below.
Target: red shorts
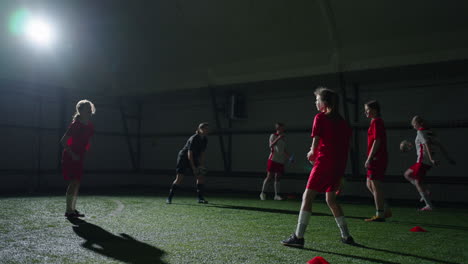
{"x": 419, "y": 171}
{"x": 72, "y": 169}
{"x": 275, "y": 167}
{"x": 324, "y": 180}
{"x": 323, "y": 185}
{"x": 376, "y": 171}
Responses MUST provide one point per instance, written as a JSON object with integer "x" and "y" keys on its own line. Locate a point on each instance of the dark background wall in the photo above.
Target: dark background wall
{"x": 150, "y": 130}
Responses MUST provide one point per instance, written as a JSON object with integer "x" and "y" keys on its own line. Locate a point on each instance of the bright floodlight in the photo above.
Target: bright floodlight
{"x": 40, "y": 31}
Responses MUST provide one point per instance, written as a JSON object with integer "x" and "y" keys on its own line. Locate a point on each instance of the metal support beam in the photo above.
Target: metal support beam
{"x": 229, "y": 158}
{"x": 38, "y": 148}
{"x": 62, "y": 126}
{"x": 218, "y": 127}
{"x": 139, "y": 118}
{"x": 356, "y": 131}
{"x": 127, "y": 135}
{"x": 354, "y": 154}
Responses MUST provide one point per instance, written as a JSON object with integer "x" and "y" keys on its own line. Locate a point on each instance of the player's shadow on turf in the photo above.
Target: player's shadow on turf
{"x": 259, "y": 209}
{"x": 405, "y": 254}
{"x": 122, "y": 247}
{"x": 272, "y": 210}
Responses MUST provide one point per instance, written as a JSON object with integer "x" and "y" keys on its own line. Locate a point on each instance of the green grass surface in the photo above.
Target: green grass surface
{"x": 241, "y": 229}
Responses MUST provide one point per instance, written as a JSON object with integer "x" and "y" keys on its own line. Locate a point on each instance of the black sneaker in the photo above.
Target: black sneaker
{"x": 71, "y": 215}
{"x": 293, "y": 241}
{"x": 349, "y": 240}
{"x": 168, "y": 200}
{"x": 202, "y": 201}
{"x": 78, "y": 214}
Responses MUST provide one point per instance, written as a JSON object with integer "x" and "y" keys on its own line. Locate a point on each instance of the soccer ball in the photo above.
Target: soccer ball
{"x": 406, "y": 146}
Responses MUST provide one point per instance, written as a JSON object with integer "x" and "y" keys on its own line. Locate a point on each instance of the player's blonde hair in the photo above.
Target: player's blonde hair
{"x": 79, "y": 107}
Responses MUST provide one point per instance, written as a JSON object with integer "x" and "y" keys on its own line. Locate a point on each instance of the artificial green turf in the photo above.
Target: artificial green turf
{"x": 241, "y": 229}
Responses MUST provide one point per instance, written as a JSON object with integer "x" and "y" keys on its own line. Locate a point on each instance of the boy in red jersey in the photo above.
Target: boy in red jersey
{"x": 328, "y": 154}
{"x": 377, "y": 159}
{"x": 75, "y": 143}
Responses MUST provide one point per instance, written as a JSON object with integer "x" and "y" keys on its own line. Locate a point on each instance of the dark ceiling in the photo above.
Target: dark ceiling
{"x": 139, "y": 47}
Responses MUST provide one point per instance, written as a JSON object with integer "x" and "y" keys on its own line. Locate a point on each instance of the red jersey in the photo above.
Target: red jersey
{"x": 377, "y": 131}
{"x": 332, "y": 152}
{"x": 80, "y": 134}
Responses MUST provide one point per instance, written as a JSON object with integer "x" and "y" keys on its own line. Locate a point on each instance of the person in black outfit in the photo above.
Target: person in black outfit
{"x": 192, "y": 157}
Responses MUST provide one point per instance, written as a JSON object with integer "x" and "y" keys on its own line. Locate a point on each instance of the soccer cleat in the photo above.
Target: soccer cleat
{"x": 375, "y": 219}
{"x": 168, "y": 200}
{"x": 71, "y": 215}
{"x": 202, "y": 201}
{"x": 78, "y": 214}
{"x": 278, "y": 198}
{"x": 262, "y": 196}
{"x": 388, "y": 213}
{"x": 293, "y": 241}
{"x": 347, "y": 240}
{"x": 426, "y": 208}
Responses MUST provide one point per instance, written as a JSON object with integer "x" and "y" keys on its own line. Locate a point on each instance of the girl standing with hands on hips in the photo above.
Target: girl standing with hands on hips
{"x": 75, "y": 143}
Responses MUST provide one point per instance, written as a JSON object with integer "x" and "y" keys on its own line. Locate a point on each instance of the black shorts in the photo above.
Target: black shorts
{"x": 183, "y": 165}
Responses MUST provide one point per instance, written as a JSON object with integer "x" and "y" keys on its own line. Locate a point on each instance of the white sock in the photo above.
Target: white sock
{"x": 69, "y": 199}
{"x": 380, "y": 213}
{"x": 426, "y": 199}
{"x": 264, "y": 186}
{"x": 277, "y": 187}
{"x": 341, "y": 222}
{"x": 74, "y": 202}
{"x": 302, "y": 223}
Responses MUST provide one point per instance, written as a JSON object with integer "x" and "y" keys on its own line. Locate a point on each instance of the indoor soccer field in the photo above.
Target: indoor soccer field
{"x": 230, "y": 229}
{"x": 203, "y": 131}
